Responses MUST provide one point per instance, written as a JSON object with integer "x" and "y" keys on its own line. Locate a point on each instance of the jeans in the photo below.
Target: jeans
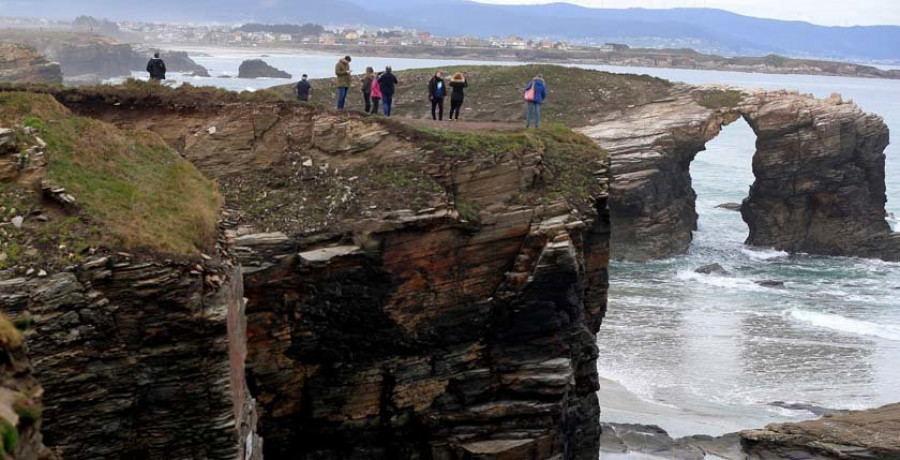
{"x": 387, "y": 100}
{"x": 342, "y": 97}
{"x": 367, "y": 98}
{"x": 375, "y": 102}
{"x": 437, "y": 109}
{"x": 533, "y": 113}
{"x": 454, "y": 109}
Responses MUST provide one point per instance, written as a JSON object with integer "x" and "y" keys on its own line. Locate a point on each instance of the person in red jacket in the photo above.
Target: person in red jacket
{"x": 376, "y": 94}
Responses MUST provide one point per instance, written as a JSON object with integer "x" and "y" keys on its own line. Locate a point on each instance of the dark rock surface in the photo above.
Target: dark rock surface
{"x": 819, "y": 170}
{"x": 712, "y": 269}
{"x": 770, "y": 283}
{"x": 136, "y": 359}
{"x": 257, "y": 68}
{"x": 815, "y": 410}
{"x": 730, "y": 206}
{"x": 21, "y": 64}
{"x": 871, "y": 434}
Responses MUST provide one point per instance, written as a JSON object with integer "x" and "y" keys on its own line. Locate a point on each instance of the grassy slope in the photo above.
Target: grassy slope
{"x": 577, "y": 97}
{"x": 133, "y": 191}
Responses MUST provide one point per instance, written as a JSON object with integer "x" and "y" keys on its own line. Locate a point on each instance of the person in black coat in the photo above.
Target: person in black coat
{"x": 156, "y": 68}
{"x": 437, "y": 90}
{"x": 458, "y": 84}
{"x": 303, "y": 89}
{"x": 387, "y": 82}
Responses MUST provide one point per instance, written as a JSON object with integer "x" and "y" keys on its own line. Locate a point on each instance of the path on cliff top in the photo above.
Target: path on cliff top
{"x": 462, "y": 126}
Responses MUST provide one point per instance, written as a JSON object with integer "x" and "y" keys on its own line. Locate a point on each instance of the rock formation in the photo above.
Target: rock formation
{"x": 21, "y": 64}
{"x": 858, "y": 435}
{"x": 20, "y": 399}
{"x": 408, "y": 299}
{"x": 257, "y": 68}
{"x": 819, "y": 170}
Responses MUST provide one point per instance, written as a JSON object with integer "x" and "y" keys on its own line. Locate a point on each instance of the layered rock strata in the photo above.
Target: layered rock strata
{"x": 405, "y": 301}
{"x": 867, "y": 434}
{"x": 819, "y": 170}
{"x": 139, "y": 359}
{"x": 21, "y": 64}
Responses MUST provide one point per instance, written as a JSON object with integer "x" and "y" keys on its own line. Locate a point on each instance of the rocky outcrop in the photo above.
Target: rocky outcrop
{"x": 20, "y": 399}
{"x": 21, "y": 64}
{"x": 257, "y": 68}
{"x": 139, "y": 359}
{"x": 859, "y": 435}
{"x": 819, "y": 170}
{"x": 405, "y": 301}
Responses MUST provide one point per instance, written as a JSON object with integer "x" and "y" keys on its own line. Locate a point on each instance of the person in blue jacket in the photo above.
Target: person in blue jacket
{"x": 535, "y": 99}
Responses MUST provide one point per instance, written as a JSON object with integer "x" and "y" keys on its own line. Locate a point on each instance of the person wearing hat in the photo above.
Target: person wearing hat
{"x": 303, "y": 89}
{"x": 342, "y": 72}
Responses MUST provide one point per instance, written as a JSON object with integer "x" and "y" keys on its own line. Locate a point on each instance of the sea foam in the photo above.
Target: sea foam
{"x": 847, "y": 325}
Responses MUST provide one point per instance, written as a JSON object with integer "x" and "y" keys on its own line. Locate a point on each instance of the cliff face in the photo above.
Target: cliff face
{"x": 20, "y": 64}
{"x": 408, "y": 295}
{"x": 819, "y": 170}
{"x": 141, "y": 354}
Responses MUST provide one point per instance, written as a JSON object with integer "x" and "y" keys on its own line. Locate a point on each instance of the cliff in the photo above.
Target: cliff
{"x": 819, "y": 163}
{"x": 20, "y": 64}
{"x": 140, "y": 352}
{"x": 408, "y": 293}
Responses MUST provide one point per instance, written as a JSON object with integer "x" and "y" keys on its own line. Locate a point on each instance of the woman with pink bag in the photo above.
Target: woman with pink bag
{"x": 535, "y": 93}
{"x": 376, "y": 94}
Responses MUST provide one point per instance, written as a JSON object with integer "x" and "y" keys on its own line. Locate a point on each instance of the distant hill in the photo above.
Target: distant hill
{"x": 707, "y": 30}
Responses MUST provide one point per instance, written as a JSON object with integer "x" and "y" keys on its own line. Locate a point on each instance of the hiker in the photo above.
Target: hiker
{"x": 156, "y": 67}
{"x": 437, "y": 90}
{"x": 458, "y": 83}
{"x": 387, "y": 81}
{"x": 367, "y": 87}
{"x": 376, "y": 94}
{"x": 535, "y": 93}
{"x": 303, "y": 89}
{"x": 342, "y": 71}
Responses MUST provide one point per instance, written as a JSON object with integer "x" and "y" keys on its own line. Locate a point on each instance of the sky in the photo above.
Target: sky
{"x": 824, "y": 12}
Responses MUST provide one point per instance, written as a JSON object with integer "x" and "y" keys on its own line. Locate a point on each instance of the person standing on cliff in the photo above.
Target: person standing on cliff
{"x": 156, "y": 68}
{"x": 342, "y": 72}
{"x": 458, "y": 84}
{"x": 535, "y": 93}
{"x": 304, "y": 89}
{"x": 366, "y": 81}
{"x": 387, "y": 83}
{"x": 376, "y": 94}
{"x": 437, "y": 90}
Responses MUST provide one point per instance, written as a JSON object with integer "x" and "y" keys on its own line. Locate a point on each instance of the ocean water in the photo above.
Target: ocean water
{"x": 706, "y": 353}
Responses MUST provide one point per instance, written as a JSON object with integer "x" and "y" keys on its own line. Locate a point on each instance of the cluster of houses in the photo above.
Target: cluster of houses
{"x": 228, "y": 35}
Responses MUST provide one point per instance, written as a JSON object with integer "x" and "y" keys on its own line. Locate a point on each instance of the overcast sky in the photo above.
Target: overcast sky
{"x": 826, "y": 12}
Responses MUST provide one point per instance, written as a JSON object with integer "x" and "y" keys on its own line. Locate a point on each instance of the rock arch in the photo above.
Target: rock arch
{"x": 819, "y": 172}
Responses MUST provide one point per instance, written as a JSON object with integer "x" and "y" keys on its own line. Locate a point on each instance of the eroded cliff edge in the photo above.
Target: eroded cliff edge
{"x": 409, "y": 293}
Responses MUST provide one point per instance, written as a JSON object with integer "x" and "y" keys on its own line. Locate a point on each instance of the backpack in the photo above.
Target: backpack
{"x": 529, "y": 93}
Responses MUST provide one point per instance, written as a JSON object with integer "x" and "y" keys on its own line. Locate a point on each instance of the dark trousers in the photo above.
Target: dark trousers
{"x": 375, "y": 102}
{"x": 437, "y": 108}
{"x": 367, "y": 97}
{"x": 303, "y": 97}
{"x": 387, "y": 101}
{"x": 454, "y": 109}
{"x": 342, "y": 97}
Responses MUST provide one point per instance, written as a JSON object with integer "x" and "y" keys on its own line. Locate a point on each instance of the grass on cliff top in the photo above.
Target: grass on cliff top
{"x": 569, "y": 159}
{"x": 719, "y": 98}
{"x": 576, "y": 97}
{"x": 132, "y": 190}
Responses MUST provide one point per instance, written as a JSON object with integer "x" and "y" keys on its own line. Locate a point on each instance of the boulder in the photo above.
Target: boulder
{"x": 770, "y": 283}
{"x": 730, "y": 206}
{"x": 712, "y": 269}
{"x": 257, "y": 68}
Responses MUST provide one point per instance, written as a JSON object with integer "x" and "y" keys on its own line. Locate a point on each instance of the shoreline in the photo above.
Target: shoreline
{"x": 392, "y": 52}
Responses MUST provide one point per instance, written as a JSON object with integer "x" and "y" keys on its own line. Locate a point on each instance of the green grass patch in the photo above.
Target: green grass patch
{"x": 719, "y": 99}
{"x": 133, "y": 191}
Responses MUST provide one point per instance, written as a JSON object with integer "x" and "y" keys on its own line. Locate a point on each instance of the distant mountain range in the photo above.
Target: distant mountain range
{"x": 707, "y": 30}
